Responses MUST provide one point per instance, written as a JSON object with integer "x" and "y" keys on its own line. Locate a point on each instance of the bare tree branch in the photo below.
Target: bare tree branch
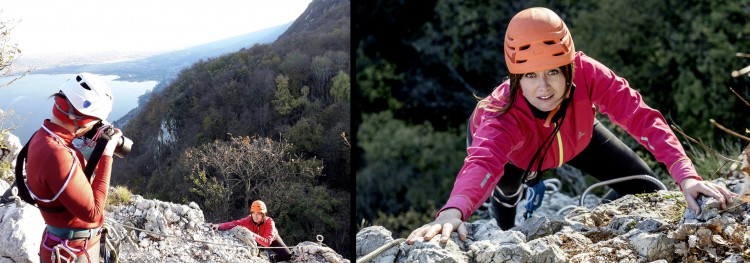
{"x": 728, "y": 130}
{"x": 740, "y": 97}
{"x": 703, "y": 145}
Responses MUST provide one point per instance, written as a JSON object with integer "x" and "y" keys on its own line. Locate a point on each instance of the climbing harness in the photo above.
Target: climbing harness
{"x": 63, "y": 237}
{"x": 535, "y": 194}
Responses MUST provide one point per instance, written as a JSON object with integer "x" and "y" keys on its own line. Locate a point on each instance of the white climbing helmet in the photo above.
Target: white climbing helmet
{"x": 89, "y": 95}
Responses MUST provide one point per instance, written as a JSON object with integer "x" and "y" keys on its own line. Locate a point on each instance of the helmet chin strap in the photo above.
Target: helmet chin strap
{"x": 71, "y": 114}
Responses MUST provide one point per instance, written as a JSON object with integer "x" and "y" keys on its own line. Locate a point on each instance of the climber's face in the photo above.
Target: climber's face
{"x": 257, "y": 217}
{"x": 544, "y": 89}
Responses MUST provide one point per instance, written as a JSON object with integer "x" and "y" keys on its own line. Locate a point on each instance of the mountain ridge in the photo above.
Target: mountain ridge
{"x": 164, "y": 66}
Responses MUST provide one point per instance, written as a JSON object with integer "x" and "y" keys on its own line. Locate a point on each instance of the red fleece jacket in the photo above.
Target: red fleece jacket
{"x": 48, "y": 165}
{"x": 266, "y": 230}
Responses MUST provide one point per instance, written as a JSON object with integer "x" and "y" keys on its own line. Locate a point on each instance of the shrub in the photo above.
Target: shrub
{"x": 120, "y": 195}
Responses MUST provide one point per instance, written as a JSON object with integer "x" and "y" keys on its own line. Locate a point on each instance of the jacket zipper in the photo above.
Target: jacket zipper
{"x": 559, "y": 147}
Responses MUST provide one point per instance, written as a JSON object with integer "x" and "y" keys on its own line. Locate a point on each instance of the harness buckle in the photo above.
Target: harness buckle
{"x": 535, "y": 197}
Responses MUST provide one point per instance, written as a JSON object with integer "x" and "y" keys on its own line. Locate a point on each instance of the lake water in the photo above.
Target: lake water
{"x": 29, "y": 98}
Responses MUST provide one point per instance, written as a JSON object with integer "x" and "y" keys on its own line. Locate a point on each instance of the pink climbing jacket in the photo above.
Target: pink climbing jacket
{"x": 515, "y": 136}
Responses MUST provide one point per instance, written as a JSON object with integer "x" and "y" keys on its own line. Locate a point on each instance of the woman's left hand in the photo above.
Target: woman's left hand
{"x": 109, "y": 150}
{"x": 692, "y": 187}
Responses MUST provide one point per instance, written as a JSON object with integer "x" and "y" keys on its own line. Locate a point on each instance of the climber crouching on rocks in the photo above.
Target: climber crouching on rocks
{"x": 263, "y": 230}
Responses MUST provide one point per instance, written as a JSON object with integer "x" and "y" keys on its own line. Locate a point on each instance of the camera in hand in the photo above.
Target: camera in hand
{"x": 124, "y": 145}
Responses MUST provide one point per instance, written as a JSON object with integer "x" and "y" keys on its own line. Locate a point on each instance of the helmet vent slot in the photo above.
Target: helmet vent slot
{"x": 82, "y": 83}
{"x": 525, "y": 47}
{"x": 559, "y": 54}
{"x": 550, "y": 42}
{"x": 85, "y": 86}
{"x": 520, "y": 61}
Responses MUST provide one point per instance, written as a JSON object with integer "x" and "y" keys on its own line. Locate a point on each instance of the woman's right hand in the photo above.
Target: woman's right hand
{"x": 448, "y": 221}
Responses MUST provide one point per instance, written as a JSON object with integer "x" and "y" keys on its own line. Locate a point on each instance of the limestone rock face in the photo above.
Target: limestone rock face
{"x": 21, "y": 229}
{"x": 310, "y": 252}
{"x": 645, "y": 228}
{"x": 372, "y": 238}
{"x": 161, "y": 231}
{"x": 11, "y": 145}
{"x": 151, "y": 231}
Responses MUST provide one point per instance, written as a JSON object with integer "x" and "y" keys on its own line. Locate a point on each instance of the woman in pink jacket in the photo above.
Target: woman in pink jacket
{"x": 544, "y": 116}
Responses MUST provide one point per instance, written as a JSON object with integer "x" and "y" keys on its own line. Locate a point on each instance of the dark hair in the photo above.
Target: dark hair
{"x": 58, "y": 94}
{"x": 515, "y": 85}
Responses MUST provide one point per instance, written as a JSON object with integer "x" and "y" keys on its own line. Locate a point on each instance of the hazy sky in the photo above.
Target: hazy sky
{"x": 77, "y": 28}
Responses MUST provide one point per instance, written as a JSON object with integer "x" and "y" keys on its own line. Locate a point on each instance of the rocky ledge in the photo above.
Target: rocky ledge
{"x": 644, "y": 228}
{"x": 144, "y": 231}
{"x": 151, "y": 231}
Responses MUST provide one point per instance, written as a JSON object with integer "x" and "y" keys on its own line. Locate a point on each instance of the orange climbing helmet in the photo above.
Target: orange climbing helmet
{"x": 537, "y": 39}
{"x": 258, "y": 206}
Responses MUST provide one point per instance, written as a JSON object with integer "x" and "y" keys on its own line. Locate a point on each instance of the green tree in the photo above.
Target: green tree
{"x": 215, "y": 195}
{"x": 340, "y": 60}
{"x": 375, "y": 77}
{"x": 341, "y": 90}
{"x": 306, "y": 135}
{"x": 399, "y": 156}
{"x": 678, "y": 54}
{"x": 284, "y": 102}
{"x": 296, "y": 65}
{"x": 322, "y": 69}
{"x": 283, "y": 99}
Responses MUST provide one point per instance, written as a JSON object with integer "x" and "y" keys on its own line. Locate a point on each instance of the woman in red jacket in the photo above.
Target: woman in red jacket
{"x": 544, "y": 116}
{"x": 71, "y": 205}
{"x": 263, "y": 230}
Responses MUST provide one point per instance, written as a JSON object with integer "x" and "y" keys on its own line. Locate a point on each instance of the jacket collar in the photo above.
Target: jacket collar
{"x": 64, "y": 134}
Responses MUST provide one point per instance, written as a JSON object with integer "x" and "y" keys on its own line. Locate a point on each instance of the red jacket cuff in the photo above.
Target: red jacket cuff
{"x": 461, "y": 203}
{"x": 682, "y": 169}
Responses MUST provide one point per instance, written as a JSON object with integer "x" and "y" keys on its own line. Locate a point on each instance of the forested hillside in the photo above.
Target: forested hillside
{"x": 269, "y": 122}
{"x": 421, "y": 64}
